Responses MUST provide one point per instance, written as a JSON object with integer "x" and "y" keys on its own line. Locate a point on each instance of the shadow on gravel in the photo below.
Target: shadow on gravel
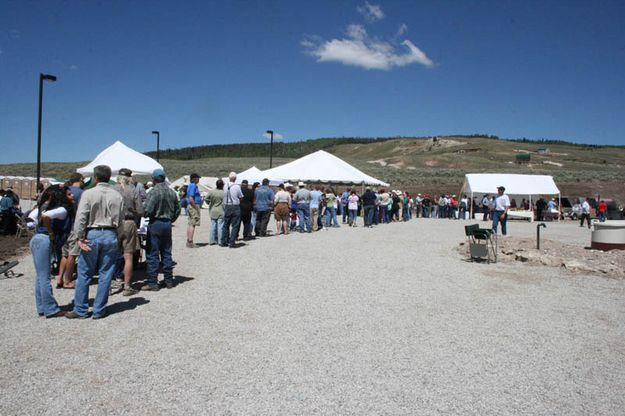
{"x": 128, "y": 305}
{"x": 182, "y": 279}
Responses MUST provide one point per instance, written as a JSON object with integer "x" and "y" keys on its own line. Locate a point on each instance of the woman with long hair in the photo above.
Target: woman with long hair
{"x": 51, "y": 218}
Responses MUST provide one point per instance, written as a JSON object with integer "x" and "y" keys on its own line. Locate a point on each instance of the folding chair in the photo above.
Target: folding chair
{"x": 22, "y": 227}
{"x": 482, "y": 242}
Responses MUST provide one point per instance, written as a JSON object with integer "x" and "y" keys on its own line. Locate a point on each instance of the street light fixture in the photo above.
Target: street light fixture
{"x": 270, "y": 132}
{"x": 42, "y": 77}
{"x": 158, "y": 144}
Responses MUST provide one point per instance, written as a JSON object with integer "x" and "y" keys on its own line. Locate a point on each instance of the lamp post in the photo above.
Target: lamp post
{"x": 270, "y": 133}
{"x": 158, "y": 144}
{"x": 42, "y": 77}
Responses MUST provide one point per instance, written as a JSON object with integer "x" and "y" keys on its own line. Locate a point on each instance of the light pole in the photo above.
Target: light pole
{"x": 270, "y": 132}
{"x": 158, "y": 144}
{"x": 42, "y": 77}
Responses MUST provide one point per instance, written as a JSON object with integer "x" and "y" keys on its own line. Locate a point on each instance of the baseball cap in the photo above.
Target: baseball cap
{"x": 158, "y": 172}
{"x": 125, "y": 172}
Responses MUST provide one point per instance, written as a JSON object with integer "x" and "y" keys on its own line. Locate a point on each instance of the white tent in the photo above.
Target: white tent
{"x": 254, "y": 174}
{"x": 119, "y": 156}
{"x": 322, "y": 166}
{"x": 205, "y": 184}
{"x": 522, "y": 185}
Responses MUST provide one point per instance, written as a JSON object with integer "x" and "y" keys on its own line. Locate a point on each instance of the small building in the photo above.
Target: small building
{"x": 543, "y": 151}
{"x": 522, "y": 158}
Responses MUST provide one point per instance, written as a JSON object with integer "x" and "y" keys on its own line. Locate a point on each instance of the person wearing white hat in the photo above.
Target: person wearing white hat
{"x": 418, "y": 202}
{"x": 232, "y": 212}
{"x": 302, "y": 198}
{"x": 502, "y": 204}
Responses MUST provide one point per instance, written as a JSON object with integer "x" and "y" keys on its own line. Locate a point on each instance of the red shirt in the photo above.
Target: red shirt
{"x": 603, "y": 207}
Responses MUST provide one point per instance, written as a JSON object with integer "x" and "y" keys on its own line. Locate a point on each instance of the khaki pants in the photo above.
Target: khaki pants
{"x": 194, "y": 215}
{"x": 314, "y": 217}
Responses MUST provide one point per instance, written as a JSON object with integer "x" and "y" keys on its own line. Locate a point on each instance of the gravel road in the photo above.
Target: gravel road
{"x": 349, "y": 321}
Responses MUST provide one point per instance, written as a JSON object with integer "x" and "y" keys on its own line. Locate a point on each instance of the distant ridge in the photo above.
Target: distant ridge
{"x": 301, "y": 148}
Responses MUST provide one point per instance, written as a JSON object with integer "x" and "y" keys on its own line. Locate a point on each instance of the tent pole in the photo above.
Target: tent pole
{"x": 471, "y": 210}
{"x": 531, "y": 209}
{"x": 559, "y": 206}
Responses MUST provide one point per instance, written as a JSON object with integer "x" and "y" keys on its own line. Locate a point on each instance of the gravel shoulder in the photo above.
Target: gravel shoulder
{"x": 389, "y": 320}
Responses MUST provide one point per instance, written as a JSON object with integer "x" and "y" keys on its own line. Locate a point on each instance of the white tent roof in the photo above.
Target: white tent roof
{"x": 119, "y": 156}
{"x": 254, "y": 174}
{"x": 205, "y": 185}
{"x": 487, "y": 183}
{"x": 322, "y": 166}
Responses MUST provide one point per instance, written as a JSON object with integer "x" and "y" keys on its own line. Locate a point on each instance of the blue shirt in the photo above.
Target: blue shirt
{"x": 194, "y": 192}
{"x": 6, "y": 203}
{"x": 77, "y": 192}
{"x": 315, "y": 198}
{"x": 264, "y": 198}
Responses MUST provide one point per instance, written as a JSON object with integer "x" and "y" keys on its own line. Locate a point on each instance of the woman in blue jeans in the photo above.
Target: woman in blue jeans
{"x": 50, "y": 218}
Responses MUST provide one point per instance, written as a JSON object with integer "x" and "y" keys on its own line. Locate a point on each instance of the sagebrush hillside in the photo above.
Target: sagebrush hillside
{"x": 417, "y": 164}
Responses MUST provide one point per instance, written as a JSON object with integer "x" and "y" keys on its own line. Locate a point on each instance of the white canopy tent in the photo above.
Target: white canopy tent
{"x": 205, "y": 184}
{"x": 119, "y": 156}
{"x": 322, "y": 166}
{"x": 254, "y": 174}
{"x": 515, "y": 184}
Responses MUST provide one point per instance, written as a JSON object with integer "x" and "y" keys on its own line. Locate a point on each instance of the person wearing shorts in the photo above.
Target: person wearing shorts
{"x": 282, "y": 202}
{"x": 128, "y": 238}
{"x": 70, "y": 252}
{"x": 195, "y": 203}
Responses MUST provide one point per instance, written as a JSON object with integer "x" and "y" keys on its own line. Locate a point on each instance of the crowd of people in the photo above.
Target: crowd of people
{"x": 243, "y": 211}
{"x": 95, "y": 229}
{"x": 100, "y": 228}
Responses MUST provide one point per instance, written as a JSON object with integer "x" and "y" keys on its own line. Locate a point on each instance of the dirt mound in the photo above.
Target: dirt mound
{"x": 12, "y": 248}
{"x": 574, "y": 259}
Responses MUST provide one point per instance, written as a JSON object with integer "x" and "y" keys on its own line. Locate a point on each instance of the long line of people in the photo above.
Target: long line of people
{"x": 94, "y": 228}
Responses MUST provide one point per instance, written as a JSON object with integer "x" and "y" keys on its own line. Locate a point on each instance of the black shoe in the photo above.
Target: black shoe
{"x": 104, "y": 315}
{"x": 57, "y": 315}
{"x": 169, "y": 284}
{"x": 74, "y": 315}
{"x": 150, "y": 288}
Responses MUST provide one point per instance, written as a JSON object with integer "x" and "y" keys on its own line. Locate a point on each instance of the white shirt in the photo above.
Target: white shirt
{"x": 59, "y": 213}
{"x": 502, "y": 202}
{"x": 232, "y": 194}
{"x": 585, "y": 207}
{"x": 353, "y": 202}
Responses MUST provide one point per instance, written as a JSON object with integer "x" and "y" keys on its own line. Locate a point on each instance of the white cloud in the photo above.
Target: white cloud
{"x": 403, "y": 28}
{"x": 371, "y": 12}
{"x": 360, "y": 50}
{"x": 73, "y": 67}
{"x": 276, "y": 136}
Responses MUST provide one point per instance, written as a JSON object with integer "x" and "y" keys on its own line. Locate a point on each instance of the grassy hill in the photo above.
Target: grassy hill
{"x": 416, "y": 164}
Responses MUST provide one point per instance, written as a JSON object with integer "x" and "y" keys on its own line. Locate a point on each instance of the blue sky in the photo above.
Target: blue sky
{"x": 211, "y": 72}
